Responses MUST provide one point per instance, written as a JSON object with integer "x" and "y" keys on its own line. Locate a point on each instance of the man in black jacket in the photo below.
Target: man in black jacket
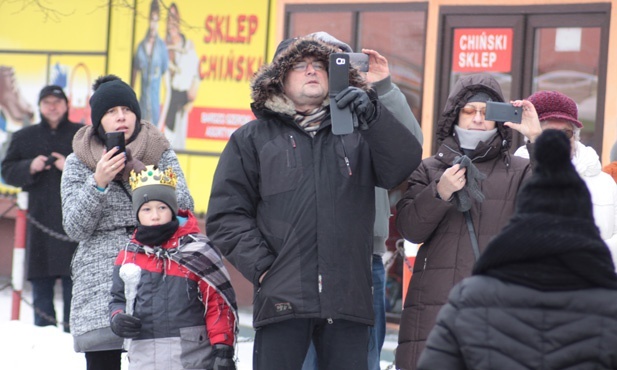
{"x": 292, "y": 207}
{"x": 34, "y": 162}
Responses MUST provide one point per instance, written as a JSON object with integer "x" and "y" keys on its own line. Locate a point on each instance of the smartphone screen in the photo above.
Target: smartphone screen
{"x": 113, "y": 139}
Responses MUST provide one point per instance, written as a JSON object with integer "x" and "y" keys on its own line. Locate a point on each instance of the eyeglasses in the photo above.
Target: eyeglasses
{"x": 302, "y": 66}
{"x": 470, "y": 110}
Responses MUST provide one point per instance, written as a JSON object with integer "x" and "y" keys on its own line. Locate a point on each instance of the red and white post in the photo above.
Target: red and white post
{"x": 19, "y": 253}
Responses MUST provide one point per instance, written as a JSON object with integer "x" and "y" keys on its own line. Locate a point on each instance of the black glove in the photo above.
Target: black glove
{"x": 125, "y": 326}
{"x": 359, "y": 102}
{"x": 223, "y": 357}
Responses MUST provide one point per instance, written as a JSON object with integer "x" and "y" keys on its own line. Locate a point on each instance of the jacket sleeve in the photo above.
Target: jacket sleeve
{"x": 442, "y": 347}
{"x": 118, "y": 300}
{"x": 220, "y": 319}
{"x": 185, "y": 200}
{"x": 231, "y": 220}
{"x": 82, "y": 203}
{"x": 611, "y": 242}
{"x": 395, "y": 152}
{"x": 395, "y": 101}
{"x": 16, "y": 168}
{"x": 419, "y": 212}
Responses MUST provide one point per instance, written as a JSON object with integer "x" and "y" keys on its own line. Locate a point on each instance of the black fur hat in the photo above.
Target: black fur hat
{"x": 554, "y": 187}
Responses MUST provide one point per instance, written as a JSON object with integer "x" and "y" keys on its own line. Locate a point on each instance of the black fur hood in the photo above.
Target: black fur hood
{"x": 267, "y": 83}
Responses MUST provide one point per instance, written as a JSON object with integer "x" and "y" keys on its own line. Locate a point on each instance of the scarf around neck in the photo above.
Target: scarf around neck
{"x": 148, "y": 146}
{"x": 311, "y": 121}
{"x": 156, "y": 235}
{"x": 469, "y": 139}
{"x": 549, "y": 252}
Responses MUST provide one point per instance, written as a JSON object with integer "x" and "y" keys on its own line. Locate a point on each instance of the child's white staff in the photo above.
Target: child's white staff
{"x": 130, "y": 273}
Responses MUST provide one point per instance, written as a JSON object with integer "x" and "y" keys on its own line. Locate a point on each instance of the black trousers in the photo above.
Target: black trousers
{"x": 340, "y": 345}
{"x": 104, "y": 360}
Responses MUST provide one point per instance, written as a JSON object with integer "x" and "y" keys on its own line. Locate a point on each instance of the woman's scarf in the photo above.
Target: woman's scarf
{"x": 147, "y": 147}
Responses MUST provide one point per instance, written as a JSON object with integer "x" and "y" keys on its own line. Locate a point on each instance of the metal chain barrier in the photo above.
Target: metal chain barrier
{"x": 47, "y": 230}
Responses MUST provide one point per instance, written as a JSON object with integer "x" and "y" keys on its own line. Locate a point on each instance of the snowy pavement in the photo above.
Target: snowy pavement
{"x": 26, "y": 347}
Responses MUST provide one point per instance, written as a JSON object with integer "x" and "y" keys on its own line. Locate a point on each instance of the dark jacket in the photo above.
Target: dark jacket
{"x": 446, "y": 255}
{"x": 47, "y": 256}
{"x": 303, "y": 207}
{"x": 489, "y": 324}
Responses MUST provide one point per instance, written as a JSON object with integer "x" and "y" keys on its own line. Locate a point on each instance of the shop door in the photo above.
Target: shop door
{"x": 526, "y": 49}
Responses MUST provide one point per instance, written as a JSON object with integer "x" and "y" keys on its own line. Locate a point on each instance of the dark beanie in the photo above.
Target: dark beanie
{"x": 554, "y": 187}
{"x": 282, "y": 46}
{"x": 154, "y": 184}
{"x": 109, "y": 92}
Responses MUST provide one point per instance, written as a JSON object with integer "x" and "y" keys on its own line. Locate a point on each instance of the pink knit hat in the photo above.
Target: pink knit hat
{"x": 553, "y": 105}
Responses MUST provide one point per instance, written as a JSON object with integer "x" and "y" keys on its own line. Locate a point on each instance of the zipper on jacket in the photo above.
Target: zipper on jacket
{"x": 293, "y": 141}
{"x": 319, "y": 284}
{"x": 425, "y": 260}
{"x": 346, "y": 158}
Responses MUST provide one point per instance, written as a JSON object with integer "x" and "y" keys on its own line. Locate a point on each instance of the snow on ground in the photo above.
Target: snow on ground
{"x": 26, "y": 347}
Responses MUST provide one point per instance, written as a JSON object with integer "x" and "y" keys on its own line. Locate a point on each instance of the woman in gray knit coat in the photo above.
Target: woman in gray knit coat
{"x": 97, "y": 209}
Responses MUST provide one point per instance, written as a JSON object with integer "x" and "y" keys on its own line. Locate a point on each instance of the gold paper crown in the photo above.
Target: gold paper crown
{"x": 153, "y": 176}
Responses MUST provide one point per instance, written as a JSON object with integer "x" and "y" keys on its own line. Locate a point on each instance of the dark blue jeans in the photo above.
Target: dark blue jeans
{"x": 377, "y": 333}
{"x": 43, "y": 300}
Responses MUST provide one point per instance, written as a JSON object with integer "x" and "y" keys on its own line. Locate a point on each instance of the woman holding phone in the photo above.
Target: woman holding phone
{"x": 97, "y": 208}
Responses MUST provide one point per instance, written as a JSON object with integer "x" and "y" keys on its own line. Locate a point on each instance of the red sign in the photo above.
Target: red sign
{"x": 216, "y": 123}
{"x": 482, "y": 50}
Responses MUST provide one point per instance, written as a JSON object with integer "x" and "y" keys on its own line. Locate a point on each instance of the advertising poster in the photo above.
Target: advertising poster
{"x": 192, "y": 65}
{"x": 65, "y": 45}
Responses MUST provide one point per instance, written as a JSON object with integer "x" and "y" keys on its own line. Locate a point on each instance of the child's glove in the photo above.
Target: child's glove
{"x": 223, "y": 357}
{"x": 125, "y": 326}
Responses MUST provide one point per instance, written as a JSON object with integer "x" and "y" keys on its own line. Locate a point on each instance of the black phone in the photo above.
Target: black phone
{"x": 338, "y": 80}
{"x": 115, "y": 139}
{"x": 503, "y": 112}
{"x": 50, "y": 160}
{"x": 359, "y": 61}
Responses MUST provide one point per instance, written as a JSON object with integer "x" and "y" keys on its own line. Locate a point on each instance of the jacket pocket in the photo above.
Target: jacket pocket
{"x": 281, "y": 165}
{"x": 195, "y": 347}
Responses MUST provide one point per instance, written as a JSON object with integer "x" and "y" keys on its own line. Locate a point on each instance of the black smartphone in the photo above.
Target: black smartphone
{"x": 115, "y": 139}
{"x": 503, "y": 112}
{"x": 338, "y": 80}
{"x": 50, "y": 160}
{"x": 359, "y": 61}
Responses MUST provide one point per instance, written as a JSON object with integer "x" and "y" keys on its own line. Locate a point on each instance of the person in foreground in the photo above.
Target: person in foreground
{"x": 96, "y": 209}
{"x": 293, "y": 205}
{"x": 185, "y": 310}
{"x": 543, "y": 295}
{"x": 456, "y": 201}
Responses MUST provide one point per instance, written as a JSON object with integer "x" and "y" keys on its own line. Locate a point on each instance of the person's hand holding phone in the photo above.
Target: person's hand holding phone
{"x": 57, "y": 160}
{"x": 377, "y": 66}
{"x": 530, "y": 123}
{"x": 38, "y": 164}
{"x": 112, "y": 161}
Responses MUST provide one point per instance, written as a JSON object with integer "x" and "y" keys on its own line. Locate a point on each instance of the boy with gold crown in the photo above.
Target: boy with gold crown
{"x": 185, "y": 314}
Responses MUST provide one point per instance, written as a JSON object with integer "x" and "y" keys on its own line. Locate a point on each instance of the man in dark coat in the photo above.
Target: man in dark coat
{"x": 293, "y": 206}
{"x": 34, "y": 162}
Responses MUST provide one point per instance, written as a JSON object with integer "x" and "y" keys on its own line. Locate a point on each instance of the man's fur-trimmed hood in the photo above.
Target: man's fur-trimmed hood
{"x": 267, "y": 83}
